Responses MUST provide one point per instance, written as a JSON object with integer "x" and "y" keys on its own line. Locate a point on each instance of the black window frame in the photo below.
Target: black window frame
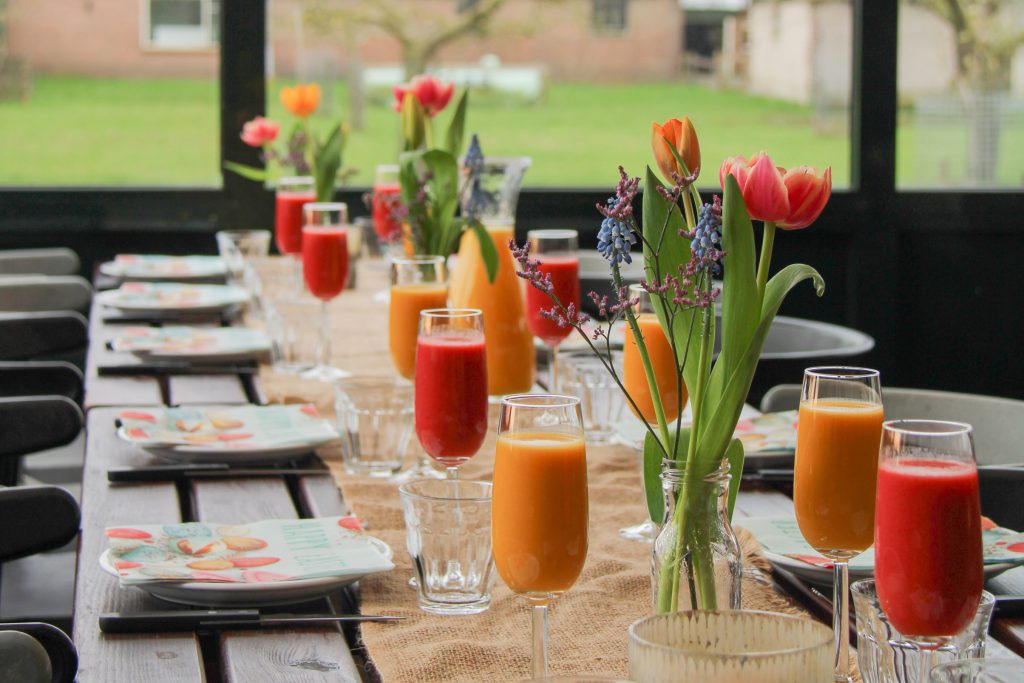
{"x": 868, "y": 223}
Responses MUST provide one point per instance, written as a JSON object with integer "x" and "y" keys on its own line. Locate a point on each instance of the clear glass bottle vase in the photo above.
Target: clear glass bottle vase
{"x": 696, "y": 562}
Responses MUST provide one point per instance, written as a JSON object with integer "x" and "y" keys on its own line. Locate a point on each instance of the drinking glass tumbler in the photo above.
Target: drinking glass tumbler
{"x": 448, "y": 535}
{"x": 374, "y": 416}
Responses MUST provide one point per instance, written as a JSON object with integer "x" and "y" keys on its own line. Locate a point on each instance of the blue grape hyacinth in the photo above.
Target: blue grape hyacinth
{"x": 615, "y": 238}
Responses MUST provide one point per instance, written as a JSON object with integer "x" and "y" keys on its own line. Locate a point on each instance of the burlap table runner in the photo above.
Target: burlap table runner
{"x": 587, "y": 625}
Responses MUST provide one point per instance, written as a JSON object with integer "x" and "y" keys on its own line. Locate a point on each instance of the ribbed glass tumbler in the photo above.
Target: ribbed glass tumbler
{"x": 728, "y": 646}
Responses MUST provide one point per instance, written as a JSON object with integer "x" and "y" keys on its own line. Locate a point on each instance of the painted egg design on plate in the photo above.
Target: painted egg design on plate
{"x": 248, "y": 562}
{"x": 210, "y": 565}
{"x": 225, "y": 423}
{"x": 259, "y": 576}
{"x": 187, "y": 530}
{"x": 200, "y": 547}
{"x": 144, "y": 553}
{"x": 128, "y": 533}
{"x": 233, "y": 530}
{"x": 243, "y": 543}
{"x": 211, "y": 576}
{"x": 164, "y": 572}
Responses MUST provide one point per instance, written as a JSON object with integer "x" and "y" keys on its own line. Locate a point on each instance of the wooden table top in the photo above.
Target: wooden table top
{"x": 299, "y": 655}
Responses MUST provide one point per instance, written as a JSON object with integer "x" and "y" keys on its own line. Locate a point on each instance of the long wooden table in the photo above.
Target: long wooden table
{"x": 299, "y": 655}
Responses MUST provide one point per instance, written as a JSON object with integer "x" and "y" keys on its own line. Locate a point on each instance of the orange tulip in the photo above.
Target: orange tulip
{"x": 808, "y": 194}
{"x": 678, "y": 135}
{"x": 301, "y": 100}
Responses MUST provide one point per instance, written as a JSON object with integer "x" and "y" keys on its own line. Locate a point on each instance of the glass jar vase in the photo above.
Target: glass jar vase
{"x": 696, "y": 563}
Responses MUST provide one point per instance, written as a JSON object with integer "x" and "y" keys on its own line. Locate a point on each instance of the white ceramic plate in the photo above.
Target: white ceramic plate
{"x": 216, "y": 594}
{"x": 157, "y": 267}
{"x": 169, "y": 297}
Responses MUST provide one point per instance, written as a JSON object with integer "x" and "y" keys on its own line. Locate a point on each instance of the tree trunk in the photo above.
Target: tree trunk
{"x": 414, "y": 60}
{"x": 984, "y": 128}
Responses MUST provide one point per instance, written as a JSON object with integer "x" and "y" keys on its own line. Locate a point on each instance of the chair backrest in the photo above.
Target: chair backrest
{"x": 42, "y": 649}
{"x": 998, "y": 422}
{"x": 34, "y": 519}
{"x": 32, "y": 335}
{"x": 53, "y": 261}
{"x": 44, "y": 293}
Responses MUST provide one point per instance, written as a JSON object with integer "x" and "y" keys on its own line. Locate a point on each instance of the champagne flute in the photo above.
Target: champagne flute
{"x": 557, "y": 252}
{"x": 539, "y": 512}
{"x": 451, "y": 385}
{"x": 292, "y": 194}
{"x": 835, "y": 469}
{"x": 928, "y": 551}
{"x": 385, "y": 200}
{"x": 418, "y": 283}
{"x": 325, "y": 270}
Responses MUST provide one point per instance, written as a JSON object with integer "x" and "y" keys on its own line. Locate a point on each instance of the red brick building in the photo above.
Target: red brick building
{"x": 571, "y": 39}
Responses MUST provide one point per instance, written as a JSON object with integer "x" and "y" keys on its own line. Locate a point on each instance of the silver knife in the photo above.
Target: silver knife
{"x": 197, "y": 620}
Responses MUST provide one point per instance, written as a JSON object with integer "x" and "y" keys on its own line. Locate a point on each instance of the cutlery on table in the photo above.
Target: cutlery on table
{"x": 168, "y": 368}
{"x": 201, "y": 471}
{"x": 194, "y": 620}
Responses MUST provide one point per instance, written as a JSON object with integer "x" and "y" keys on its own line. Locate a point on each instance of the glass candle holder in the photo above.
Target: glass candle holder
{"x": 729, "y": 646}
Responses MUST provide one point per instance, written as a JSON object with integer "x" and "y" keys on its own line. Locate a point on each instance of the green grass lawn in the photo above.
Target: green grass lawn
{"x": 81, "y": 131}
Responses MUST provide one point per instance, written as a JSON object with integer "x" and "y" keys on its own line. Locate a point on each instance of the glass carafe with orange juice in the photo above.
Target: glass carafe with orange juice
{"x": 839, "y": 432}
{"x": 662, "y": 360}
{"x": 510, "y": 352}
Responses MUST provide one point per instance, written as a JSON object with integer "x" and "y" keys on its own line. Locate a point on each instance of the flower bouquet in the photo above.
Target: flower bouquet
{"x": 304, "y": 153}
{"x": 433, "y": 186}
{"x": 685, "y": 243}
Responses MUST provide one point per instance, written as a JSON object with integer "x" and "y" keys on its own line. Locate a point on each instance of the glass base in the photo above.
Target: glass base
{"x": 292, "y": 368}
{"x": 422, "y": 470}
{"x": 645, "y": 532}
{"x": 455, "y": 608}
{"x": 325, "y": 373}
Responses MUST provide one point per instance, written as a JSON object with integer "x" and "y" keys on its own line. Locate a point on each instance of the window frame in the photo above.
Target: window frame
{"x": 602, "y": 10}
{"x": 206, "y": 14}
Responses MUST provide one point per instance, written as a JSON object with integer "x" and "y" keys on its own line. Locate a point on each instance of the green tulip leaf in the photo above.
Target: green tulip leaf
{"x": 328, "y": 163}
{"x": 248, "y": 172}
{"x": 488, "y": 252}
{"x": 653, "y": 457}
{"x": 740, "y": 305}
{"x": 414, "y": 127}
{"x": 734, "y": 454}
{"x": 662, "y": 222}
{"x": 457, "y": 128}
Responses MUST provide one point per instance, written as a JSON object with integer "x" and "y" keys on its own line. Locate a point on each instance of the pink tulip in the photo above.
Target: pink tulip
{"x": 761, "y": 183}
{"x": 260, "y": 132}
{"x": 808, "y": 194}
{"x": 432, "y": 93}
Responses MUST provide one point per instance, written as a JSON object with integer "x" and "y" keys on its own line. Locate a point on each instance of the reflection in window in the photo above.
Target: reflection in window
{"x": 610, "y": 15}
{"x": 183, "y": 24}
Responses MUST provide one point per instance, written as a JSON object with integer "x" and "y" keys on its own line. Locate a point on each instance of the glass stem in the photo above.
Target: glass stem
{"x": 540, "y": 641}
{"x": 453, "y": 473}
{"x": 297, "y": 283}
{"x": 926, "y": 663}
{"x": 553, "y": 370}
{"x": 324, "y": 347}
{"x": 840, "y": 620}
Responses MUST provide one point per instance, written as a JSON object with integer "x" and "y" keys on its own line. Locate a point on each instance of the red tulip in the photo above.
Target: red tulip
{"x": 681, "y": 136}
{"x": 259, "y": 131}
{"x": 808, "y": 194}
{"x": 432, "y": 93}
{"x": 791, "y": 199}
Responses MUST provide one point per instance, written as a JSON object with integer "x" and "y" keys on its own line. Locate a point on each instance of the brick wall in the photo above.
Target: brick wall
{"x": 103, "y": 37}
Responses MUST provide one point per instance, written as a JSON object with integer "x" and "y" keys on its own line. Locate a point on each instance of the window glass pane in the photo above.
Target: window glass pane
{"x": 87, "y": 98}
{"x": 546, "y": 83}
{"x": 961, "y": 87}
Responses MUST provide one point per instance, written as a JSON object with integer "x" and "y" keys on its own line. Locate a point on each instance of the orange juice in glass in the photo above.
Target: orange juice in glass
{"x": 539, "y": 504}
{"x": 662, "y": 360}
{"x": 839, "y": 433}
{"x": 510, "y": 353}
{"x": 418, "y": 283}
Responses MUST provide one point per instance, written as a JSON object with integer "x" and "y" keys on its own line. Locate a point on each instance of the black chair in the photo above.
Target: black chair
{"x": 34, "y": 423}
{"x": 38, "y": 378}
{"x": 44, "y": 334}
{"x": 35, "y": 519}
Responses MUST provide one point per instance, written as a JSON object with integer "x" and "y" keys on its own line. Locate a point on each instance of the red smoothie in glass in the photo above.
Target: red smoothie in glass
{"x": 288, "y": 220}
{"x": 928, "y": 556}
{"x": 451, "y": 397}
{"x": 565, "y": 276}
{"x": 325, "y": 260}
{"x": 385, "y": 199}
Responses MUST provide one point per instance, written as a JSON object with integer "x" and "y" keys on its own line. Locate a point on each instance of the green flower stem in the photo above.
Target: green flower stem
{"x": 645, "y": 359}
{"x": 686, "y": 512}
{"x": 690, "y": 218}
{"x": 428, "y": 131}
{"x": 765, "y": 262}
